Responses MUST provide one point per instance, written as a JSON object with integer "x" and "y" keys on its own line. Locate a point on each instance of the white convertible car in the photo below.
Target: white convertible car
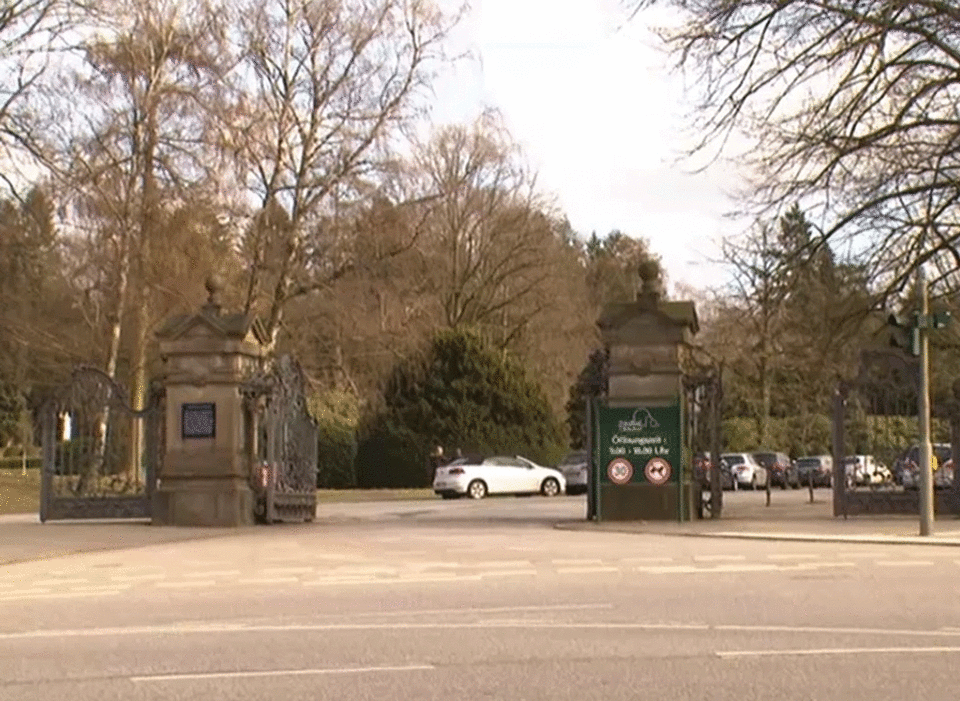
{"x": 477, "y": 477}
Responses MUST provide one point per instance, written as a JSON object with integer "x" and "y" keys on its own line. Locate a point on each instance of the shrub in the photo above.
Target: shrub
{"x": 462, "y": 394}
{"x": 336, "y": 417}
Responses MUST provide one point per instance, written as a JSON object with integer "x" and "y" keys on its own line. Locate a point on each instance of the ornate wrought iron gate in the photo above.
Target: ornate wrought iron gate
{"x": 93, "y": 465}
{"x": 285, "y": 478}
{"x": 704, "y": 393}
{"x": 885, "y": 384}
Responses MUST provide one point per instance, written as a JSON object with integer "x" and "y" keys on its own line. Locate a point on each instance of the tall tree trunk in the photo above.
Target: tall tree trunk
{"x": 138, "y": 386}
{"x": 138, "y": 365}
{"x": 91, "y": 473}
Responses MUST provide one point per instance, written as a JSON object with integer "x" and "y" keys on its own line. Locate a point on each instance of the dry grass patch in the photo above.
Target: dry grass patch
{"x": 19, "y": 494}
{"x": 353, "y": 495}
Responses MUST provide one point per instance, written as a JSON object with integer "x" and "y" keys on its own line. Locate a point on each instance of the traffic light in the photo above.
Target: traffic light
{"x": 905, "y": 335}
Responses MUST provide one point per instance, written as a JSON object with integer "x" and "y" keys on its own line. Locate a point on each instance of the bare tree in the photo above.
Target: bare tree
{"x": 487, "y": 233}
{"x": 853, "y": 110}
{"x": 321, "y": 86}
{"x": 32, "y": 32}
{"x": 759, "y": 290}
{"x": 137, "y": 152}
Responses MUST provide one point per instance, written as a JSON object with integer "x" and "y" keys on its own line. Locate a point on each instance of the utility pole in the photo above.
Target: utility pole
{"x": 913, "y": 337}
{"x": 926, "y": 448}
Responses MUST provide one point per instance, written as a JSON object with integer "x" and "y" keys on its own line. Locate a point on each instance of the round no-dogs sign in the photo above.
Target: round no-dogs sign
{"x": 619, "y": 471}
{"x": 657, "y": 471}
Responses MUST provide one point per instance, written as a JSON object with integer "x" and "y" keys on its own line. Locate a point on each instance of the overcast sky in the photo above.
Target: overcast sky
{"x": 591, "y": 100}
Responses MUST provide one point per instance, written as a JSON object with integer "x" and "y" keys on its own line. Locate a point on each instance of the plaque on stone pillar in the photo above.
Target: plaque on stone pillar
{"x": 198, "y": 420}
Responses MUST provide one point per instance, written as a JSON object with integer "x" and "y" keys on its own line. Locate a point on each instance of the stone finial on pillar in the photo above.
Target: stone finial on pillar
{"x": 214, "y": 285}
{"x": 649, "y": 293}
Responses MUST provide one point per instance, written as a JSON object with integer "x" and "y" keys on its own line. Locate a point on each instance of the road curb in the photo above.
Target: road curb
{"x": 786, "y": 537}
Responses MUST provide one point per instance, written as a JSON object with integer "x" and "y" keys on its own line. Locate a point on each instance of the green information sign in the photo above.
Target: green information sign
{"x": 637, "y": 445}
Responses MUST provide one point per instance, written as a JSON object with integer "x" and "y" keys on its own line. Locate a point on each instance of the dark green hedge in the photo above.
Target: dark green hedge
{"x": 461, "y": 393}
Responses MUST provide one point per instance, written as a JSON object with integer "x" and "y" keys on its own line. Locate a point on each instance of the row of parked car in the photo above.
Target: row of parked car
{"x": 906, "y": 470}
{"x": 476, "y": 476}
{"x": 757, "y": 470}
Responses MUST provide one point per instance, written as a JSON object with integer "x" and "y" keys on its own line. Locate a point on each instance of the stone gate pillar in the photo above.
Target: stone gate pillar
{"x": 207, "y": 357}
{"x": 644, "y": 339}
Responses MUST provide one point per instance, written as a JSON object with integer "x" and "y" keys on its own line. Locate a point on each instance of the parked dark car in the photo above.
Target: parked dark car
{"x": 701, "y": 471}
{"x": 817, "y": 467}
{"x": 782, "y": 472}
{"x": 905, "y": 467}
{"x": 575, "y": 467}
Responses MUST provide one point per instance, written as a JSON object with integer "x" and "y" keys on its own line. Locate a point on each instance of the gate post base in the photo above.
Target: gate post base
{"x": 214, "y": 503}
{"x": 647, "y": 502}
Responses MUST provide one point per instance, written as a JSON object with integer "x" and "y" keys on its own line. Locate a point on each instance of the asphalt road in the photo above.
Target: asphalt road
{"x": 481, "y": 600}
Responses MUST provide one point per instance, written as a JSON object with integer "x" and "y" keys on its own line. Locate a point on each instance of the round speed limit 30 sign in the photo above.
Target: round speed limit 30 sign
{"x": 619, "y": 471}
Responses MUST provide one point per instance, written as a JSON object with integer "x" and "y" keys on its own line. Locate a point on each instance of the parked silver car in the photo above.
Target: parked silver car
{"x": 819, "y": 467}
{"x": 747, "y": 472}
{"x": 574, "y": 468}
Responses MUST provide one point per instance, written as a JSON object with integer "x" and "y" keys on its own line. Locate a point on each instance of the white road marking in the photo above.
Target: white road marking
{"x": 792, "y": 556}
{"x": 638, "y": 560}
{"x": 518, "y": 564}
{"x": 279, "y": 673}
{"x": 730, "y": 654}
{"x": 817, "y": 630}
{"x": 102, "y": 587}
{"x": 206, "y": 629}
{"x": 428, "y": 580}
{"x": 585, "y": 561}
{"x": 57, "y": 582}
{"x": 726, "y": 569}
{"x": 206, "y": 563}
{"x": 268, "y": 580}
{"x": 360, "y": 571}
{"x": 903, "y": 563}
{"x": 718, "y": 558}
{"x": 509, "y": 573}
{"x": 59, "y": 595}
{"x": 809, "y": 566}
{"x": 136, "y": 577}
{"x": 735, "y": 568}
{"x": 213, "y": 627}
{"x": 587, "y": 570}
{"x": 341, "y": 580}
{"x": 18, "y": 592}
{"x": 286, "y": 570}
{"x": 187, "y": 584}
{"x": 484, "y": 609}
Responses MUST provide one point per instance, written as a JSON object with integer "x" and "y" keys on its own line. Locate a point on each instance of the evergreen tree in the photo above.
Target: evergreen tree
{"x": 591, "y": 382}
{"x": 462, "y": 394}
